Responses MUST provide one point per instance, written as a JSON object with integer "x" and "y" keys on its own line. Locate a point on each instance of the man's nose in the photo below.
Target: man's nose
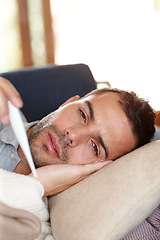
{"x": 75, "y": 135}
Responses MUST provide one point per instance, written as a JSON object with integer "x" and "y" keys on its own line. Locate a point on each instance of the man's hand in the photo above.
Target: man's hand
{"x": 58, "y": 177}
{"x": 8, "y": 92}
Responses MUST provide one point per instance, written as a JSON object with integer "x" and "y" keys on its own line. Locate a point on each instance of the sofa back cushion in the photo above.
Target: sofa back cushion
{"x": 44, "y": 89}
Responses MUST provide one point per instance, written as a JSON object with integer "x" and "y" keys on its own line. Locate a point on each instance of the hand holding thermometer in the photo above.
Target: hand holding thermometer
{"x": 20, "y": 133}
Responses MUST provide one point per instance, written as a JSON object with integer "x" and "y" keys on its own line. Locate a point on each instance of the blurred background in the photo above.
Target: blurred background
{"x": 118, "y": 40}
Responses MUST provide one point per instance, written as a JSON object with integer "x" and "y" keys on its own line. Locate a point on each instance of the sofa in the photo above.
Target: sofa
{"x": 108, "y": 204}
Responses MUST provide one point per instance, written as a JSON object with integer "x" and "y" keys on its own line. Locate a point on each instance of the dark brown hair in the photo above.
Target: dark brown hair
{"x": 138, "y": 111}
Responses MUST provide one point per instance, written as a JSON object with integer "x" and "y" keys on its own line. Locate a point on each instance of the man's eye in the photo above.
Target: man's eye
{"x": 83, "y": 115}
{"x": 95, "y": 148}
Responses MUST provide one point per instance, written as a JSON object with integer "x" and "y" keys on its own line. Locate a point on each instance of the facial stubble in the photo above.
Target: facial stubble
{"x": 36, "y": 149}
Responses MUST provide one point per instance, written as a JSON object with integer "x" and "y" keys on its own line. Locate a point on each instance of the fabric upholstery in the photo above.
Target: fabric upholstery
{"x": 111, "y": 202}
{"x": 148, "y": 229}
{"x": 44, "y": 89}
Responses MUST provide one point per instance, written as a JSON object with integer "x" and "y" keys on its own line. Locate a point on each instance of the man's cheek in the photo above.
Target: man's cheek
{"x": 79, "y": 156}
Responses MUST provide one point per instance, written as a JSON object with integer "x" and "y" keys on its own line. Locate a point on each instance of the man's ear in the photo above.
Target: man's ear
{"x": 72, "y": 99}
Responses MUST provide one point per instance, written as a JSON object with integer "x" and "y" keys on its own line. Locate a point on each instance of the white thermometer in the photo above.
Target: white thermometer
{"x": 20, "y": 133}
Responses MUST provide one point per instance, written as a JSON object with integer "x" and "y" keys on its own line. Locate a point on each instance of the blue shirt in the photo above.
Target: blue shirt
{"x": 8, "y": 146}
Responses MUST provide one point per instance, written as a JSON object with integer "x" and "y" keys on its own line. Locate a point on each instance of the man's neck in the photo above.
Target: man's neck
{"x": 23, "y": 166}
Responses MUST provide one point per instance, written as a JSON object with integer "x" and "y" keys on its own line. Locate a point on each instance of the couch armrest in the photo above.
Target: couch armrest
{"x": 111, "y": 202}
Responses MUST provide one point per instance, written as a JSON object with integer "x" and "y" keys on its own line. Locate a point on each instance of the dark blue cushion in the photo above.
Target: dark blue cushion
{"x": 44, "y": 89}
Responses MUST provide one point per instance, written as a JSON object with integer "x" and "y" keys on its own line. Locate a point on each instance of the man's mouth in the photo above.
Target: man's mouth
{"x": 53, "y": 145}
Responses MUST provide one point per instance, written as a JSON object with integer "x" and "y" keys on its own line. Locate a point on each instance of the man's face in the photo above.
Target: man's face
{"x": 89, "y": 130}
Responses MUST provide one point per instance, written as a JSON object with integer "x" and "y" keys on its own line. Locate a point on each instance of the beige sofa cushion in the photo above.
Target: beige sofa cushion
{"x": 111, "y": 202}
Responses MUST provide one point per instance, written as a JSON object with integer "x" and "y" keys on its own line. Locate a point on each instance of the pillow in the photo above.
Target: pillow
{"x": 111, "y": 202}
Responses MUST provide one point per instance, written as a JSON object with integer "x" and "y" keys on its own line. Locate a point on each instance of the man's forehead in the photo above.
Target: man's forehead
{"x": 105, "y": 96}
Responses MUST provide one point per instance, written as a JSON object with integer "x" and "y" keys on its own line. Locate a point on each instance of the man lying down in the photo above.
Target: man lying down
{"x": 79, "y": 138}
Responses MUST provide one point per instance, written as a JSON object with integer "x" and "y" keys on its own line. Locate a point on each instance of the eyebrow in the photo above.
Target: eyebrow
{"x": 91, "y": 111}
{"x": 92, "y": 116}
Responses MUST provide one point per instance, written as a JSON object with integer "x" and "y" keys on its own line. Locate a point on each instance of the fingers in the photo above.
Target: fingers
{"x": 99, "y": 165}
{"x": 58, "y": 177}
{"x": 8, "y": 92}
{"x": 94, "y": 167}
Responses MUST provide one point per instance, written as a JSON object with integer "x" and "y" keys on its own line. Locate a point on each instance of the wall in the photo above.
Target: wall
{"x": 119, "y": 40}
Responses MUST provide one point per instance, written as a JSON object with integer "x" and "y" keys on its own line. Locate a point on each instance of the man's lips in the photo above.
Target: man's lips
{"x": 53, "y": 145}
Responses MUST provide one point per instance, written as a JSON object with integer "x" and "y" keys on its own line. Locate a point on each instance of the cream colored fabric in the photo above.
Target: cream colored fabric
{"x": 18, "y": 224}
{"x": 110, "y": 203}
{"x": 25, "y": 193}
